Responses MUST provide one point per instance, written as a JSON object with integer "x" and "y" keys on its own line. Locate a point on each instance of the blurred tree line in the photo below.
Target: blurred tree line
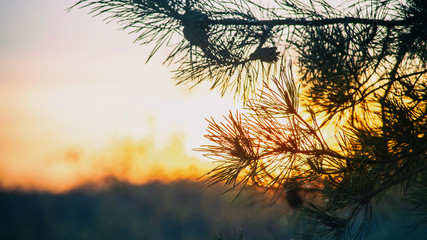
{"x": 160, "y": 211}
{"x": 155, "y": 210}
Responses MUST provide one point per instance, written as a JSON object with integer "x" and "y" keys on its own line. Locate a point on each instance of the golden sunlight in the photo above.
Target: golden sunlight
{"x": 79, "y": 104}
{"x": 135, "y": 161}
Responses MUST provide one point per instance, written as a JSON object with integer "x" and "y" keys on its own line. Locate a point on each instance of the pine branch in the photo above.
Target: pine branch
{"x": 364, "y": 69}
{"x": 314, "y": 22}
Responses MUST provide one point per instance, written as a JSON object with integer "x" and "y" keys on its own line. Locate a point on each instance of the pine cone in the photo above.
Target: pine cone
{"x": 293, "y": 198}
{"x": 265, "y": 54}
{"x": 196, "y": 28}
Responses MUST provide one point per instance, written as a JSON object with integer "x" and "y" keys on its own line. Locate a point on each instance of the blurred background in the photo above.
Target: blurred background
{"x": 79, "y": 103}
{"x": 96, "y": 144}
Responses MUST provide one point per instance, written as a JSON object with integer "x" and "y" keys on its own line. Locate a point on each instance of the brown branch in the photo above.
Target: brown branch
{"x": 316, "y": 22}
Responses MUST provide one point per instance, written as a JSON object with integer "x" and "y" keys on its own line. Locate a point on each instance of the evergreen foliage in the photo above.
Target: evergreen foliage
{"x": 362, "y": 71}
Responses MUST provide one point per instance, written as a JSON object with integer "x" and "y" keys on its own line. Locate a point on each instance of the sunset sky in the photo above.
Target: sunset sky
{"x": 78, "y": 103}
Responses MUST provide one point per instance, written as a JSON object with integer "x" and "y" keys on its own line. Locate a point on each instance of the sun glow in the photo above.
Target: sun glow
{"x": 135, "y": 161}
{"x": 79, "y": 105}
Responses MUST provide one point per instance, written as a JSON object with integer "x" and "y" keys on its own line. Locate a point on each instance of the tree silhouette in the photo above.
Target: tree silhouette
{"x": 362, "y": 71}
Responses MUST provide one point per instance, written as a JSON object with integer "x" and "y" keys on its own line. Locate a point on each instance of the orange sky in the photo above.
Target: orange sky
{"x": 79, "y": 104}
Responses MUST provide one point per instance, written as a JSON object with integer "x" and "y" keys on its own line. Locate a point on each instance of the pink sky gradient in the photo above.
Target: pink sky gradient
{"x": 70, "y": 81}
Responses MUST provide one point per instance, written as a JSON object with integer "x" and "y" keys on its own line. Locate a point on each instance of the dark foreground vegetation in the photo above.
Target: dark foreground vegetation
{"x": 179, "y": 210}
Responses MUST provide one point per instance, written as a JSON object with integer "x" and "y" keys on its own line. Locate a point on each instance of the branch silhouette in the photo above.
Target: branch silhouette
{"x": 362, "y": 76}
